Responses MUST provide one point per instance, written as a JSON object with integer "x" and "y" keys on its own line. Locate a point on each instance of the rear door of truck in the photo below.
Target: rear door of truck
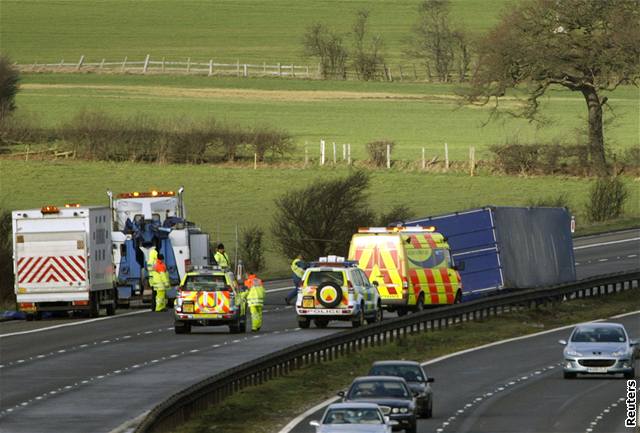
{"x": 51, "y": 262}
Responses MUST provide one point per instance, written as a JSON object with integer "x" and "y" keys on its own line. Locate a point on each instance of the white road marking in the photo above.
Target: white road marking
{"x": 82, "y": 322}
{"x": 600, "y": 244}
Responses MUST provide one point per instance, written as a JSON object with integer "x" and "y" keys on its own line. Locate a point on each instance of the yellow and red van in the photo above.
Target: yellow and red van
{"x": 411, "y": 266}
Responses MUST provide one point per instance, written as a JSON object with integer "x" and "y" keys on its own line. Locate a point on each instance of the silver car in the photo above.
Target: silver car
{"x": 599, "y": 348}
{"x": 353, "y": 418}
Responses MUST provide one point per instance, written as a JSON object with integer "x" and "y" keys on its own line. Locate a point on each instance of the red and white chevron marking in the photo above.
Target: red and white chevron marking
{"x": 56, "y": 269}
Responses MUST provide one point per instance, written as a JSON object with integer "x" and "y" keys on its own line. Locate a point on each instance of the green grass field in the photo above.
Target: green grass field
{"x": 413, "y": 115}
{"x": 226, "y": 30}
{"x": 219, "y": 197}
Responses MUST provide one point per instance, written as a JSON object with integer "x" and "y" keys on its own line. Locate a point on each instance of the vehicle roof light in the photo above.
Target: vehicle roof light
{"x": 411, "y": 229}
{"x": 68, "y": 205}
{"x": 153, "y": 193}
{"x": 49, "y": 209}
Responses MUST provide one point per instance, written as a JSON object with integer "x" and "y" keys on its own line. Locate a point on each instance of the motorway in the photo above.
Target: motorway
{"x": 94, "y": 375}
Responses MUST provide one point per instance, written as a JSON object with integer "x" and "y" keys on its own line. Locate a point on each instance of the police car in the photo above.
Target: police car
{"x": 210, "y": 296}
{"x": 335, "y": 289}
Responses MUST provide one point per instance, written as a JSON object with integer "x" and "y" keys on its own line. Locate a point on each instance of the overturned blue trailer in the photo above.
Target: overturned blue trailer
{"x": 501, "y": 248}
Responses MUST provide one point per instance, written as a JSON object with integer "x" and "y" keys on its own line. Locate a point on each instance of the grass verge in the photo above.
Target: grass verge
{"x": 304, "y": 388}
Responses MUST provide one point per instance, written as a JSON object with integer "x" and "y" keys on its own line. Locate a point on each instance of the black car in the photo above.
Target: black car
{"x": 416, "y": 378}
{"x": 391, "y": 393}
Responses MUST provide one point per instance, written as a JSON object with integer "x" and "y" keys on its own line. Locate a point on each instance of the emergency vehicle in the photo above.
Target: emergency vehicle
{"x": 335, "y": 289}
{"x": 62, "y": 260}
{"x": 210, "y": 296}
{"x": 146, "y": 220}
{"x": 411, "y": 266}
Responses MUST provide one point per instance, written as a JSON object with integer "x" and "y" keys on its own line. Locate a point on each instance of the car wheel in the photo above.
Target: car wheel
{"x": 359, "y": 320}
{"x": 303, "y": 323}
{"x": 182, "y": 327}
{"x": 630, "y": 375}
{"x": 111, "y": 308}
{"x": 377, "y": 317}
{"x": 458, "y": 298}
{"x": 413, "y": 428}
{"x": 236, "y": 327}
{"x": 320, "y": 323}
{"x": 420, "y": 304}
{"x": 402, "y": 312}
{"x": 568, "y": 375}
{"x": 428, "y": 413}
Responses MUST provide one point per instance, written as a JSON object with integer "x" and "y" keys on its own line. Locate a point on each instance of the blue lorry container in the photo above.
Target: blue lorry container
{"x": 500, "y": 248}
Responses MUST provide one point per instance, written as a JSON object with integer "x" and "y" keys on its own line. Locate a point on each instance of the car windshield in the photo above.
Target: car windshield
{"x": 317, "y": 278}
{"x": 410, "y": 373}
{"x": 378, "y": 389}
{"x": 589, "y": 334}
{"x": 353, "y": 416}
{"x": 208, "y": 283}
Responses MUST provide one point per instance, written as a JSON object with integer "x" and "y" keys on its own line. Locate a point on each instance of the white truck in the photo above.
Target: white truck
{"x": 146, "y": 220}
{"x": 62, "y": 260}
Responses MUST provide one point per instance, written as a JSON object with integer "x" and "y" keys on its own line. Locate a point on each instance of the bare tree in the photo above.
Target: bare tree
{"x": 586, "y": 46}
{"x": 367, "y": 57}
{"x": 432, "y": 41}
{"x": 320, "y": 219}
{"x": 463, "y": 53}
{"x": 328, "y": 47}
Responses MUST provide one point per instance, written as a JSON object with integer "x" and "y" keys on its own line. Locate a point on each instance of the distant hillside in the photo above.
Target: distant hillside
{"x": 225, "y": 30}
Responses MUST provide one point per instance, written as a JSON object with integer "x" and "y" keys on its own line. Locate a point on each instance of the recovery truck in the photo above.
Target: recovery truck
{"x": 507, "y": 248}
{"x": 62, "y": 260}
{"x": 146, "y": 220}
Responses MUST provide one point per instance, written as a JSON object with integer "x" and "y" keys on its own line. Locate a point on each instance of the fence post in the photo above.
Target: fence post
{"x": 472, "y": 160}
{"x": 446, "y": 157}
{"x": 334, "y": 153}
{"x": 237, "y": 67}
{"x": 424, "y": 161}
{"x": 245, "y": 72}
{"x": 349, "y": 153}
{"x": 401, "y": 75}
{"x": 255, "y": 161}
{"x": 264, "y": 68}
{"x": 293, "y": 71}
{"x": 415, "y": 73}
{"x": 102, "y": 64}
{"x": 279, "y": 69}
{"x": 124, "y": 64}
{"x": 80, "y": 62}
{"x": 306, "y": 155}
{"x": 210, "y": 67}
{"x": 163, "y": 65}
{"x": 322, "y": 148}
{"x": 188, "y": 64}
{"x": 344, "y": 152}
{"x": 146, "y": 64}
{"x": 61, "y": 64}
{"x": 388, "y": 156}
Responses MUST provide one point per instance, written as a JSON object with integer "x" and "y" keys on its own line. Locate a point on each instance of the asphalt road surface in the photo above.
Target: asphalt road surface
{"x": 94, "y": 375}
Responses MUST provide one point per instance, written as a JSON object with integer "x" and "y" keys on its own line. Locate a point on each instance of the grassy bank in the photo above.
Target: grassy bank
{"x": 219, "y": 197}
{"x": 285, "y": 401}
{"x": 413, "y": 115}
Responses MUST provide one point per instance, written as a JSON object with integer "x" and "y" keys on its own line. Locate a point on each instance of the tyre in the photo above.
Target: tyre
{"x": 378, "y": 316}
{"x": 458, "y": 299}
{"x": 182, "y": 327}
{"x": 419, "y": 304}
{"x": 568, "y": 375}
{"x": 303, "y": 323}
{"x": 402, "y": 311}
{"x": 321, "y": 323}
{"x": 630, "y": 375}
{"x": 111, "y": 308}
{"x": 358, "y": 321}
{"x": 413, "y": 428}
{"x": 243, "y": 324}
{"x": 94, "y": 306}
{"x": 236, "y": 327}
{"x": 326, "y": 290}
{"x": 428, "y": 413}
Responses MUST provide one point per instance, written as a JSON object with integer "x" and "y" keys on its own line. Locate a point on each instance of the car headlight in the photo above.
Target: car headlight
{"x": 404, "y": 410}
{"x": 395, "y": 410}
{"x": 619, "y": 353}
{"x": 573, "y": 353}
